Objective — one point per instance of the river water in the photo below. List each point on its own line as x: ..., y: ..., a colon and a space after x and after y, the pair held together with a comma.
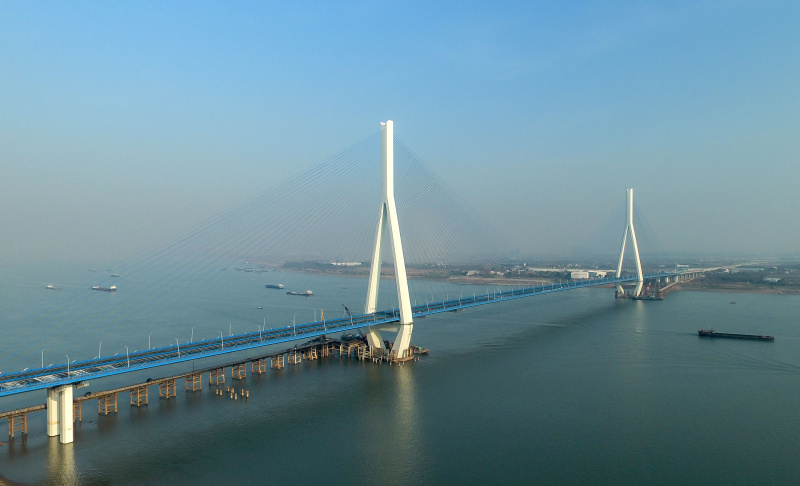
x: 567, y: 388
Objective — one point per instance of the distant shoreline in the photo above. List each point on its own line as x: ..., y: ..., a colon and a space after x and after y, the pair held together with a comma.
x: 698, y: 285
x: 743, y: 288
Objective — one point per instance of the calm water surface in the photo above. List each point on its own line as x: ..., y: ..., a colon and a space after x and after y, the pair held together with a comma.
x: 567, y: 388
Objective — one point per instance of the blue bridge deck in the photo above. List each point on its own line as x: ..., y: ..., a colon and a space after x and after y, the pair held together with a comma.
x: 35, y: 379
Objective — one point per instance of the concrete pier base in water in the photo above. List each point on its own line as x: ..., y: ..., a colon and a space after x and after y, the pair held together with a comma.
x: 65, y: 414
x: 60, y: 413
x: 52, y: 412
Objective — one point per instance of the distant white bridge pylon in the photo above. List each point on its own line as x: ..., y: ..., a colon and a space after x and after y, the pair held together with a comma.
x: 629, y: 226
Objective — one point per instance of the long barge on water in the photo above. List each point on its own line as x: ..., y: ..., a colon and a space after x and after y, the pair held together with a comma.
x: 113, y: 288
x: 713, y: 333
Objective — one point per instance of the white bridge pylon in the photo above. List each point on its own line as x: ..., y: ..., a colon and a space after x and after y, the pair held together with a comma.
x: 629, y: 226
x: 388, y: 226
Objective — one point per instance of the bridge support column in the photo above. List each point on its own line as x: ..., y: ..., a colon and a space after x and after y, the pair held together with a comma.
x: 167, y: 389
x: 258, y: 366
x: 216, y: 376
x: 52, y: 412
x: 66, y: 418
x: 60, y: 413
x: 140, y: 396
x: 18, y: 423
x: 194, y: 382
x: 629, y: 227
x: 107, y: 404
x: 239, y: 371
x: 387, y: 223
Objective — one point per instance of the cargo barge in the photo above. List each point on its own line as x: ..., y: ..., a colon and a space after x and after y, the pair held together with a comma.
x: 113, y: 288
x: 713, y: 333
x: 648, y: 297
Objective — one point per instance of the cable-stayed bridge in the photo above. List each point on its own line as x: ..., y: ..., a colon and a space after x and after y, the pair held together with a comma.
x: 325, y: 228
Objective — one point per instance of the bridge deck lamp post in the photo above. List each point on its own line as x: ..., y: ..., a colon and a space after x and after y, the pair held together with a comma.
x: 222, y: 341
x: 179, y: 347
x: 67, y: 365
x: 127, y: 357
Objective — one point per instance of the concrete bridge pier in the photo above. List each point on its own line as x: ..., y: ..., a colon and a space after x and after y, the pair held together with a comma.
x: 60, y: 413
x: 52, y: 412
x: 65, y: 414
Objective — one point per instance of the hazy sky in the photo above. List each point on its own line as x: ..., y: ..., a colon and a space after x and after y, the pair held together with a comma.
x: 122, y: 123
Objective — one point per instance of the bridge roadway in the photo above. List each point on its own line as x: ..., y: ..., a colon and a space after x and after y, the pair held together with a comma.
x: 36, y: 379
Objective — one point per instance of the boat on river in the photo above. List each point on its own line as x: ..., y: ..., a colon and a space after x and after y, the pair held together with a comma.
x: 712, y: 333
x: 307, y: 293
x: 274, y: 286
x: 648, y: 297
x: 113, y: 288
x: 418, y: 350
